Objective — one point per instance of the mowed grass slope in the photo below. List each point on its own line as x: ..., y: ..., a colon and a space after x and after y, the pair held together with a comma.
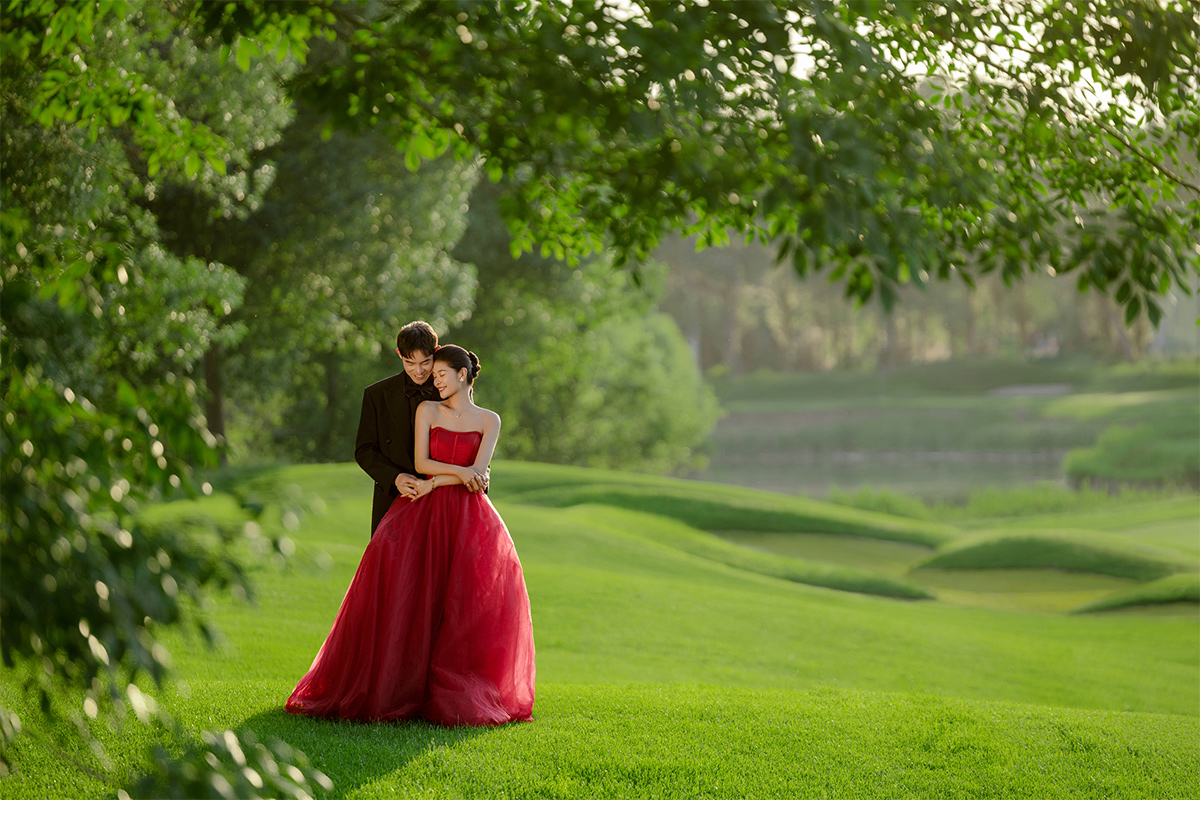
x: 667, y: 673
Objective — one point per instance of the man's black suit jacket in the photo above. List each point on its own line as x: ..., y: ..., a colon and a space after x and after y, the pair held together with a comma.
x: 384, y: 446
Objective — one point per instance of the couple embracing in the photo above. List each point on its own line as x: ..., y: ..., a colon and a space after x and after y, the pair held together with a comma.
x: 436, y: 622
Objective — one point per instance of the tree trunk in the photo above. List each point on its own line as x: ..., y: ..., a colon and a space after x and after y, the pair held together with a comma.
x: 214, y: 402
x: 887, y: 356
x: 695, y: 312
x: 733, y: 328
x: 1114, y: 328
x: 971, y: 324
x: 785, y: 342
x: 325, y: 447
x: 1117, y: 320
x: 1022, y: 316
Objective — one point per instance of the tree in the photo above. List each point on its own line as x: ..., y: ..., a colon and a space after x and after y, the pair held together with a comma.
x: 903, y: 141
x: 347, y: 247
x: 100, y: 409
x: 575, y: 360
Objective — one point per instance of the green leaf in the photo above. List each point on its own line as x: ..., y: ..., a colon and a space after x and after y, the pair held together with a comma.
x: 126, y: 395
x: 1154, y: 313
x: 75, y: 271
x: 67, y: 292
x: 243, y: 53
x: 424, y: 144
x: 1132, y: 310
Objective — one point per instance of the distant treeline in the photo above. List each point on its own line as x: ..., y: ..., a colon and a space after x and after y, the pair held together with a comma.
x: 741, y: 311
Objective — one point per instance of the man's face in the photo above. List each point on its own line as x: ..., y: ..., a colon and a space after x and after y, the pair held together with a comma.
x: 417, y: 365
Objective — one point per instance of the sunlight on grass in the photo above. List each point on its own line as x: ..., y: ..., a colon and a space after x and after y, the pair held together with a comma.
x: 653, y: 741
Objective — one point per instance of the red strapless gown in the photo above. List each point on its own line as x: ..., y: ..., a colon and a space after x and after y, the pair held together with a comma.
x: 436, y: 622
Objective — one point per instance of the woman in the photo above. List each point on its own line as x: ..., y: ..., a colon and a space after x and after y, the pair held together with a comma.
x: 436, y: 622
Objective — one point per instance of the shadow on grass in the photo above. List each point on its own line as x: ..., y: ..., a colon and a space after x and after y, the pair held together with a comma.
x: 353, y: 754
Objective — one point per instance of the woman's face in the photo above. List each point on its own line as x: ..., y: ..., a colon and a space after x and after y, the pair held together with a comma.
x: 448, y: 381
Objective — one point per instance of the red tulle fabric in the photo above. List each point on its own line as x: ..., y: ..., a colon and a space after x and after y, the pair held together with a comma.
x: 436, y: 622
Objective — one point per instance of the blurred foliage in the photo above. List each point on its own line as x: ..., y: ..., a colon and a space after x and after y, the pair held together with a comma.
x: 100, y: 329
x: 228, y: 768
x: 898, y: 141
x: 575, y: 360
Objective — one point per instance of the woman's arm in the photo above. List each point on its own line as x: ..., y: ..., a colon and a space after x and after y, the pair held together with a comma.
x: 491, y: 433
x: 426, y: 465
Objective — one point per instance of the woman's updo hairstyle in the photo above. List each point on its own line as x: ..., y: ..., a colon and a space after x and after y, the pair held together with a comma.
x: 458, y: 358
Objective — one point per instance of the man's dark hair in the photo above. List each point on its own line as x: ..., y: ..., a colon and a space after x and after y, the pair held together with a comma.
x: 417, y: 336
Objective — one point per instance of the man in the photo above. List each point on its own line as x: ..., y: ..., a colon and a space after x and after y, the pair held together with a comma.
x: 384, y: 447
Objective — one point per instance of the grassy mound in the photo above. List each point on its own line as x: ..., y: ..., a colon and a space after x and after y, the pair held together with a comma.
x: 1181, y: 587
x: 1080, y: 550
x: 640, y: 528
x: 704, y: 506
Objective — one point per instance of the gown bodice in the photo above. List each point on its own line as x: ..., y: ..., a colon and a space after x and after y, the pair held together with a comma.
x: 457, y: 448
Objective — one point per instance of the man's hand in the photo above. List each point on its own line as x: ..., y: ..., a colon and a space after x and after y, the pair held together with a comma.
x: 409, y: 486
x: 478, y: 482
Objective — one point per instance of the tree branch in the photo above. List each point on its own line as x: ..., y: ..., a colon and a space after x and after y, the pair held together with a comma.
x: 1079, y: 110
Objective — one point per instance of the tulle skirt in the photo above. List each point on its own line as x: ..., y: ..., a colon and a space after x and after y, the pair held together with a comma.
x: 435, y: 624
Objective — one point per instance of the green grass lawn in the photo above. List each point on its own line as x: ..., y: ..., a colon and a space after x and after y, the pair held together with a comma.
x: 701, y: 640
x: 667, y: 741
x: 670, y: 665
